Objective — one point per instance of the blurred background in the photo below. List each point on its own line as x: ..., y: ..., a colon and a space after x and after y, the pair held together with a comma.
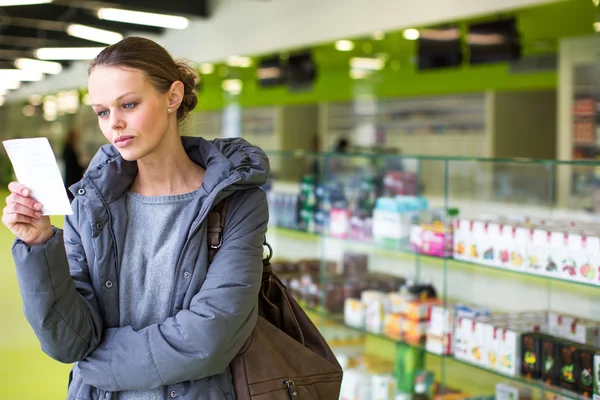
x: 435, y: 186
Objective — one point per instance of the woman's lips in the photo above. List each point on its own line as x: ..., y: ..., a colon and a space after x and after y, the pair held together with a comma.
x: 123, y: 141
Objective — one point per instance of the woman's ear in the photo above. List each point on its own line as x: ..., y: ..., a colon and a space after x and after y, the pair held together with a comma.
x: 176, y: 93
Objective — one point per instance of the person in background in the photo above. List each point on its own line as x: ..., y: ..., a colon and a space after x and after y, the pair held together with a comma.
x: 125, y: 291
x: 73, y: 168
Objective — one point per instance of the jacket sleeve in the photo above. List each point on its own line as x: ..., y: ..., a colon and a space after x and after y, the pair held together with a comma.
x: 58, y: 298
x: 202, y: 341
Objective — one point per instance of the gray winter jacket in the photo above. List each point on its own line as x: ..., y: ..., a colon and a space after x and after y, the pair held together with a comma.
x: 71, y: 297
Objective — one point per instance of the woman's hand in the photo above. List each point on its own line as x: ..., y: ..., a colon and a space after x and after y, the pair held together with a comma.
x: 23, y: 216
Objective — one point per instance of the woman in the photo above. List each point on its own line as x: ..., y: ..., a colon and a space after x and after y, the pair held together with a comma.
x: 132, y: 301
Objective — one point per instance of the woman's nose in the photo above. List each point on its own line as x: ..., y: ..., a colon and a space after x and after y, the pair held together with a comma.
x: 116, y: 121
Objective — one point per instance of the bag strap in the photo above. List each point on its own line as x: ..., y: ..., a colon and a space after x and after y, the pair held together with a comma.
x: 216, y: 228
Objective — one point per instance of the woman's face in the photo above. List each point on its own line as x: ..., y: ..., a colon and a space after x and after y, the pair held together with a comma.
x: 132, y: 114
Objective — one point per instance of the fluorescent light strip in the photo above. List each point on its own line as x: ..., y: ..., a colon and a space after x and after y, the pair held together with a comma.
x: 237, y: 61
x: 344, y: 45
x: 9, y: 84
x: 21, y: 75
x: 411, y: 34
x: 68, y: 53
x: 47, y: 67
x: 372, y: 64
x: 8, y: 3
x: 142, y: 18
x: 94, y: 34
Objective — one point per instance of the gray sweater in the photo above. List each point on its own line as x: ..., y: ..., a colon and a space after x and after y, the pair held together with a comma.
x: 148, y: 266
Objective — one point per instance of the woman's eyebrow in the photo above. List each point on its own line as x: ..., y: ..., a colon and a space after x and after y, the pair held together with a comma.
x: 118, y: 98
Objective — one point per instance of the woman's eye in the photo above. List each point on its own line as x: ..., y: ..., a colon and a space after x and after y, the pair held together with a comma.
x: 128, y: 106
x: 102, y: 114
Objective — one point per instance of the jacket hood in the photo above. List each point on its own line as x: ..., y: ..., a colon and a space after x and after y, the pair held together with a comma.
x: 222, y: 159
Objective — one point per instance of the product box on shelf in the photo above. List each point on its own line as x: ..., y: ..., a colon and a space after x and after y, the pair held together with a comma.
x: 509, y: 349
x: 511, y: 391
x: 469, y: 340
x: 482, y: 246
x: 383, y: 387
x: 568, y: 270
x: 505, y: 246
x: 463, y: 239
x: 518, y: 257
x: 538, y: 249
x: 569, y: 371
x: 442, y: 320
x: 588, y: 259
x: 494, y: 242
x: 596, y: 376
x: 377, y: 306
x: 436, y: 240
x: 559, y: 241
x: 440, y: 344
x: 585, y: 332
x: 531, y: 355
x: 550, y: 366
x: 355, y: 313
x: 585, y: 361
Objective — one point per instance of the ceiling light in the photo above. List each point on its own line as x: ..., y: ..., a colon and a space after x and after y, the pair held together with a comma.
x: 485, y: 39
x: 6, y: 3
x: 411, y: 34
x: 94, y: 34
x: 142, y: 18
x: 21, y: 75
x: 10, y: 84
x: 207, y: 68
x: 597, y: 26
x: 372, y: 64
x: 35, y: 100
x: 344, y: 45
x: 28, y: 110
x: 358, y: 74
x: 237, y: 61
x: 596, y: 2
x: 232, y: 86
x: 3, y: 92
x: 378, y: 35
x: 47, y: 67
x: 68, y: 53
x: 440, y: 34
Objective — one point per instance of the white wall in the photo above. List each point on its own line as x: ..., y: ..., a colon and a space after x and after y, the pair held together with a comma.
x: 258, y: 26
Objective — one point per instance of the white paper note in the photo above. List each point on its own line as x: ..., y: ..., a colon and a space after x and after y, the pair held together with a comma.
x: 35, y: 167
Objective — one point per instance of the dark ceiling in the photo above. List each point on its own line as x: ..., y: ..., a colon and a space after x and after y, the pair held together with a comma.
x: 26, y: 28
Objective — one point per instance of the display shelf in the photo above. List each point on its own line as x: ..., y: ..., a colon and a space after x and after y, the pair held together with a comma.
x: 339, y: 320
x: 404, y: 251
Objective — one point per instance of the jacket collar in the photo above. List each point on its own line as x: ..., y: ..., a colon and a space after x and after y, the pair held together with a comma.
x: 110, y: 175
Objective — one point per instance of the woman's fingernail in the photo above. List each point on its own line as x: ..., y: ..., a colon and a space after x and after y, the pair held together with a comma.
x: 37, y: 206
x: 25, y: 192
x: 38, y: 214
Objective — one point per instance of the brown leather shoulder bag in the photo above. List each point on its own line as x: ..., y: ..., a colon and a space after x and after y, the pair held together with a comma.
x: 286, y: 357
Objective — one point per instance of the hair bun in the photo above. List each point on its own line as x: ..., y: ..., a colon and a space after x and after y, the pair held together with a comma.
x: 190, y: 100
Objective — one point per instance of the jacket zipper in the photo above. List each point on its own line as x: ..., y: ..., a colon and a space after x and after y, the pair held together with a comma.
x: 291, y: 384
x: 291, y: 389
x: 185, y: 245
x: 112, y: 232
x: 193, y: 232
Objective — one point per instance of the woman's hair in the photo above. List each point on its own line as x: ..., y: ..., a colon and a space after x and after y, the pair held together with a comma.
x: 158, y: 65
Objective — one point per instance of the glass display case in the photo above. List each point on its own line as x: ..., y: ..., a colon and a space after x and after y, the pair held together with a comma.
x: 442, y: 277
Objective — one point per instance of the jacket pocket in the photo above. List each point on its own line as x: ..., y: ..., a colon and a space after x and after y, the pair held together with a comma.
x: 78, y: 390
x: 313, y: 388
